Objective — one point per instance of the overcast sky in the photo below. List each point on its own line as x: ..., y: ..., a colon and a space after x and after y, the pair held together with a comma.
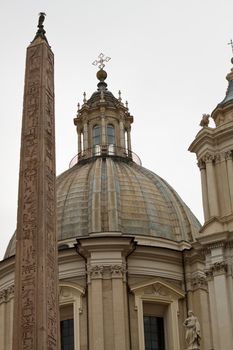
x: 169, y: 58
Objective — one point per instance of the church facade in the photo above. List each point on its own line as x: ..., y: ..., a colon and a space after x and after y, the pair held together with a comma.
x: 135, y: 265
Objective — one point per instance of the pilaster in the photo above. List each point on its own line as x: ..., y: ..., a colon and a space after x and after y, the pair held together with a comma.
x: 106, y: 270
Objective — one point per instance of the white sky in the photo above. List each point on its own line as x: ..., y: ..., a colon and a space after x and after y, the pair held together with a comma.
x: 169, y: 59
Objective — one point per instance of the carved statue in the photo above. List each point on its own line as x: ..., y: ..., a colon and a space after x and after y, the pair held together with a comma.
x: 193, y: 332
x: 205, y: 120
x: 41, y: 19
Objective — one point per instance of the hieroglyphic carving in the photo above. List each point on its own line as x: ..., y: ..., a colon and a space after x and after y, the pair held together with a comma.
x: 36, y: 266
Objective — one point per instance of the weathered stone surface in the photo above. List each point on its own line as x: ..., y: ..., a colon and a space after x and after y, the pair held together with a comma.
x: 36, y: 318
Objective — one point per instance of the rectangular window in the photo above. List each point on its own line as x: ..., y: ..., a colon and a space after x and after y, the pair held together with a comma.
x: 154, y: 333
x: 67, y: 334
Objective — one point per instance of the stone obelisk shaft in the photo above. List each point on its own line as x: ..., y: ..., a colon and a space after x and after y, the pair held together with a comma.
x: 36, y: 316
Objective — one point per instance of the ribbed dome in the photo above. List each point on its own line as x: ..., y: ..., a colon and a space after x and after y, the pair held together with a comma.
x: 117, y: 195
x: 95, y: 98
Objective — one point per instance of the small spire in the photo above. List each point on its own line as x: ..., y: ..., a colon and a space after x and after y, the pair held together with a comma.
x: 41, y: 32
x: 78, y: 105
x: 84, y: 97
x: 231, y: 43
x: 126, y: 104
x: 119, y: 94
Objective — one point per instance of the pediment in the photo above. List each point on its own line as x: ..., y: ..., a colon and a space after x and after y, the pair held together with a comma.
x: 157, y: 288
x: 69, y: 291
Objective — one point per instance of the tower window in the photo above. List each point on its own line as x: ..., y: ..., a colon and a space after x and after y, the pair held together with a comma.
x: 110, y: 134
x: 96, y: 135
x: 154, y: 333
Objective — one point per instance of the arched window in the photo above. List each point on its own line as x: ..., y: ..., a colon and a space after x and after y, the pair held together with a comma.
x: 110, y: 135
x: 81, y: 141
x: 126, y: 140
x: 96, y: 135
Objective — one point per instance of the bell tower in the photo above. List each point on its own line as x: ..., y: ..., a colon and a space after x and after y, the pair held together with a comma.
x: 214, y: 150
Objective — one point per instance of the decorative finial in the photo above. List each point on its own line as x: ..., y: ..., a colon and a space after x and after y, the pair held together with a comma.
x: 126, y: 104
x: 231, y: 43
x: 84, y: 97
x: 205, y: 120
x: 41, y: 19
x: 100, y: 61
x: 78, y: 105
x: 41, y: 32
x: 119, y: 98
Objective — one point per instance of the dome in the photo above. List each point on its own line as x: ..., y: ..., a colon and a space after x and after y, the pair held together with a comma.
x: 114, y: 194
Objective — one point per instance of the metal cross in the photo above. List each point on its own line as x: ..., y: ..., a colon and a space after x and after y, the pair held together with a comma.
x: 101, y: 60
x: 231, y: 43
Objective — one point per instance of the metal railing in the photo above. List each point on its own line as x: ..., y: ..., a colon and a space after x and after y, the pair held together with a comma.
x: 105, y: 151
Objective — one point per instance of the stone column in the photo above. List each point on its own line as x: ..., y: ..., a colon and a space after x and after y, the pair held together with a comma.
x: 36, y: 313
x: 230, y: 175
x: 85, y: 137
x: 222, y: 185
x: 108, y: 314
x: 122, y: 135
x: 2, y: 321
x: 96, y: 316
x: 129, y: 140
x: 211, y: 186
x: 202, y: 168
x: 119, y: 320
x: 220, y: 308
x: 79, y: 142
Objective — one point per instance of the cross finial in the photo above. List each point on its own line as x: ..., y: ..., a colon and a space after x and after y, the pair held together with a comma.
x: 231, y: 43
x: 100, y: 61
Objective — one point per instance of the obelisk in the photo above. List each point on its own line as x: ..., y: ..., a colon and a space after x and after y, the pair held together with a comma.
x: 36, y: 312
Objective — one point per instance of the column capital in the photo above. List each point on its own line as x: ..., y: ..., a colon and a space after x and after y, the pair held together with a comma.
x: 106, y: 271
x: 199, y: 282
x: 218, y: 268
x: 201, y: 163
x: 7, y: 294
x: 229, y: 155
x: 208, y: 158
